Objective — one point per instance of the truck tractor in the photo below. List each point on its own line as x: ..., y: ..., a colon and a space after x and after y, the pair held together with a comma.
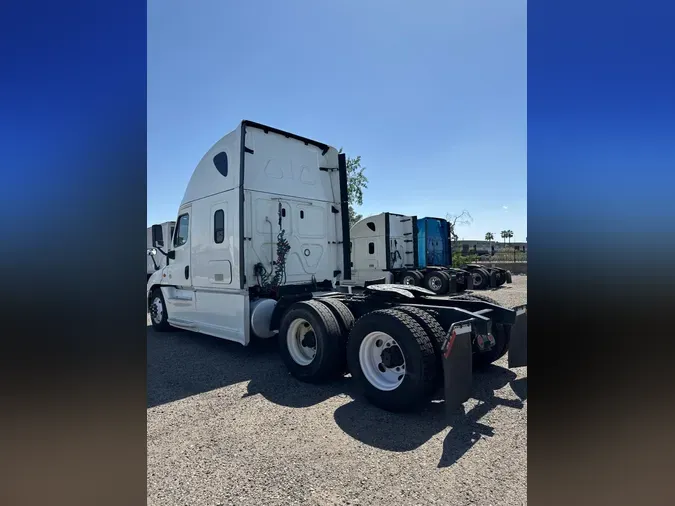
x: 261, y: 251
x: 435, y: 251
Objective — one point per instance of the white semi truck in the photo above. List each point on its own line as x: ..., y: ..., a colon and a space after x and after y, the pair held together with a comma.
x: 159, y: 236
x: 261, y: 250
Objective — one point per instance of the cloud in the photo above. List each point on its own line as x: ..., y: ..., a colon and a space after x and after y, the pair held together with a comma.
x: 505, y: 208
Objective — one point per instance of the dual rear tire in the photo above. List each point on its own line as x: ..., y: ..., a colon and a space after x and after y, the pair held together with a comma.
x: 392, y: 354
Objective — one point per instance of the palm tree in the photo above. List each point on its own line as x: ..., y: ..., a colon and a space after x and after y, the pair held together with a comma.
x: 509, y: 234
x: 504, y: 234
x: 489, y: 238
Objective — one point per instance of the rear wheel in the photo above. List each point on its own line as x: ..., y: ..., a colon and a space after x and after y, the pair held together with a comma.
x: 437, y: 281
x: 392, y: 360
x: 481, y: 278
x: 410, y: 278
x: 345, y: 320
x: 310, y: 342
x: 502, y: 334
x: 432, y: 327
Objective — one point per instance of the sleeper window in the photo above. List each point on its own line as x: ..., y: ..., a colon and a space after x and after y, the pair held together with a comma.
x: 371, y: 248
x: 182, y: 230
x: 220, y: 161
x: 219, y: 226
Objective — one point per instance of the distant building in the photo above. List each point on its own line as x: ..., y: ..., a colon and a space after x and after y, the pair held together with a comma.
x: 486, y: 247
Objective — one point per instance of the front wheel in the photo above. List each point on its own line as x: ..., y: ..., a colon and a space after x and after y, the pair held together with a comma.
x: 158, y: 314
x: 392, y: 360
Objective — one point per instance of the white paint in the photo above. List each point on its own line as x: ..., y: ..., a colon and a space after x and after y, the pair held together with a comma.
x: 281, y: 170
x: 368, y: 247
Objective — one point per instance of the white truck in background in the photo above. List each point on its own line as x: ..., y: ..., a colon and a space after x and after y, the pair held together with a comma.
x: 261, y: 251
x: 159, y: 236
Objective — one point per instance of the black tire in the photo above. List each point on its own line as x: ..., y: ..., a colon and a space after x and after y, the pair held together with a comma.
x: 476, y: 296
x: 502, y: 335
x: 419, y: 276
x: 345, y: 320
x: 412, y: 276
x: 342, y: 314
x: 326, y: 362
x: 432, y: 327
x: 501, y: 277
x: 418, y: 381
x: 437, y: 281
x: 481, y: 278
x: 160, y: 324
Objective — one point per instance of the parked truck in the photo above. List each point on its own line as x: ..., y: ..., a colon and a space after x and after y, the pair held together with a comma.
x: 402, y: 249
x: 435, y: 252
x: 261, y: 251
x: 158, y: 237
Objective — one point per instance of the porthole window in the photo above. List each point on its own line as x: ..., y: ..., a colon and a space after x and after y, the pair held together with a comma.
x: 220, y: 161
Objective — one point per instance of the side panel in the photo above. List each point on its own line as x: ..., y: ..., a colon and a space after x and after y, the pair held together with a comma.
x: 369, y: 247
x: 433, y: 242
x: 219, y: 302
x: 401, y: 237
x: 311, y: 228
x: 422, y: 243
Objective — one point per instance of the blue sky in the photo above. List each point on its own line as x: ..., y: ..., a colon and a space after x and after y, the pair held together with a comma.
x: 432, y: 95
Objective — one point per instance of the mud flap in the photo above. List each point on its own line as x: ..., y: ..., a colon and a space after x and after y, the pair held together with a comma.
x: 453, y: 284
x: 457, y: 366
x: 469, y: 281
x: 493, y: 279
x: 508, y: 276
x: 518, y: 341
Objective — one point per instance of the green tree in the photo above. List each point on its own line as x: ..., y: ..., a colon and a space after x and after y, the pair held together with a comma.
x: 504, y: 233
x: 509, y: 235
x: 356, y: 183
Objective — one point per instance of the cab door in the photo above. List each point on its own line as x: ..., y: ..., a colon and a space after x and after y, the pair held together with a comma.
x: 179, y: 295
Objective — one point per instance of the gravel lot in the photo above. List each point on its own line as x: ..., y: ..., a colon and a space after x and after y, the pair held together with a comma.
x: 228, y: 425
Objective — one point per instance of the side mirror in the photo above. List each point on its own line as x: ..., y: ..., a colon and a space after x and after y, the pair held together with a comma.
x: 172, y: 254
x: 157, y: 236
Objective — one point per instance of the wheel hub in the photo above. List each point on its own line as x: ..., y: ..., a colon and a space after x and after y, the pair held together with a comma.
x: 392, y: 357
x: 435, y: 283
x: 309, y: 341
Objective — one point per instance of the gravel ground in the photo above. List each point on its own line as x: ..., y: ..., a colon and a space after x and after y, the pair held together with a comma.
x: 511, y: 295
x: 228, y: 425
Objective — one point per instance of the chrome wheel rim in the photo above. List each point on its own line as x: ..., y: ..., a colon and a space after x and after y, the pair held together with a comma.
x: 157, y: 310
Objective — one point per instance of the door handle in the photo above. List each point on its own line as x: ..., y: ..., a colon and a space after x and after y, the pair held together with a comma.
x: 187, y: 271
